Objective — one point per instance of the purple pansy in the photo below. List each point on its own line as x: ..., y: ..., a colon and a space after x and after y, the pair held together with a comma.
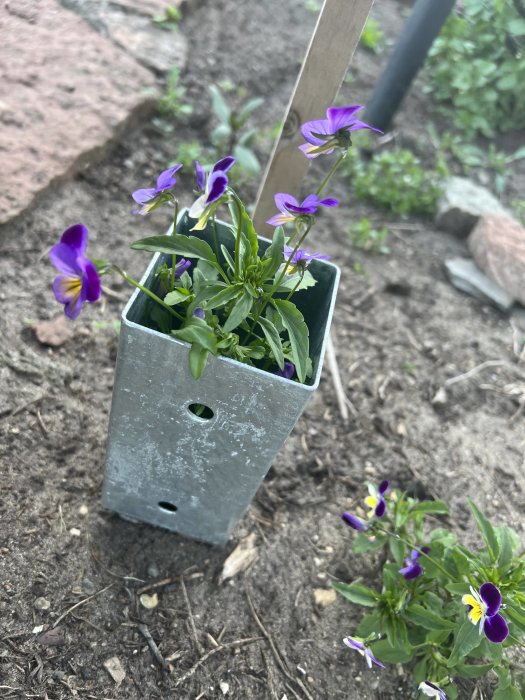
x: 353, y: 521
x: 413, y: 568
x: 181, y: 267
x: 363, y: 650
x: 376, y: 500
x: 432, y: 690
x: 301, y: 257
x: 323, y: 135
x: 199, y: 312
x: 79, y: 280
x: 288, y: 370
x: 212, y: 190
x: 483, y: 608
x: 151, y: 197
x: 291, y: 209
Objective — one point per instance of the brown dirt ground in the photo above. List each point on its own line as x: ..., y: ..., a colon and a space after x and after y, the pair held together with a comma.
x: 401, y: 331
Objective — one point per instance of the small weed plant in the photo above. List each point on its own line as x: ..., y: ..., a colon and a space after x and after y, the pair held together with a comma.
x: 372, y: 36
x: 443, y: 609
x: 365, y: 237
x: 172, y: 105
x: 476, y: 67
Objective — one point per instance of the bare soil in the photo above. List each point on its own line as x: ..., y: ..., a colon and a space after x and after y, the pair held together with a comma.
x: 401, y: 333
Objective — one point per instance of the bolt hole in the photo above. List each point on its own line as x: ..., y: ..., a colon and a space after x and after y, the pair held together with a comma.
x: 201, y: 411
x: 170, y: 507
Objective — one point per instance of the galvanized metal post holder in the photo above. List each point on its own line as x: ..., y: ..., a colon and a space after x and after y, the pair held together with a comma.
x: 197, y: 475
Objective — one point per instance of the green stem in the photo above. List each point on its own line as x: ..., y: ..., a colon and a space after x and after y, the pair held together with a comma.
x: 238, y: 204
x: 174, y: 257
x: 332, y: 170
x: 147, y: 291
x: 295, y: 288
x: 215, y: 238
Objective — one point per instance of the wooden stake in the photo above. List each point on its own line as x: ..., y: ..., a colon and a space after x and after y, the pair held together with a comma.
x: 332, y: 46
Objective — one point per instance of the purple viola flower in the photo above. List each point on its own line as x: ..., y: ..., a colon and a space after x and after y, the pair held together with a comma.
x: 413, y: 568
x: 376, y: 500
x: 181, y: 267
x: 288, y: 370
x: 353, y: 521
x: 78, y: 281
x: 483, y: 608
x: 432, y: 690
x: 151, y: 197
x: 300, y: 258
x: 291, y: 209
x: 363, y: 650
x: 323, y: 135
x: 212, y: 190
x: 199, y: 312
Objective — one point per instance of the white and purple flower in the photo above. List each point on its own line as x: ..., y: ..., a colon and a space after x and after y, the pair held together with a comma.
x: 151, y: 197
x: 413, y: 568
x: 324, y: 135
x: 360, y: 647
x: 212, y: 189
x: 291, y: 209
x: 78, y: 281
x: 432, y: 690
x: 483, y: 608
x: 375, y: 501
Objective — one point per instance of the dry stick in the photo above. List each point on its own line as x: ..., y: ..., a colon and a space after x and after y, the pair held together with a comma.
x: 143, y: 629
x: 80, y: 602
x: 479, y: 368
x: 277, y: 654
x: 192, y: 621
x: 211, y: 652
x: 158, y: 584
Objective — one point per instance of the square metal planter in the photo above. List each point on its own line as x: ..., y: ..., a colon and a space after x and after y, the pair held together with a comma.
x: 197, y: 475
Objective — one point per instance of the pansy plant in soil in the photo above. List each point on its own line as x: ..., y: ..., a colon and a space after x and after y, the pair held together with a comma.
x: 236, y: 301
x: 444, y: 610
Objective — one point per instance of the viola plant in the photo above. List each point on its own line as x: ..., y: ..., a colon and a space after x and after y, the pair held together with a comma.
x: 446, y: 611
x: 234, y: 296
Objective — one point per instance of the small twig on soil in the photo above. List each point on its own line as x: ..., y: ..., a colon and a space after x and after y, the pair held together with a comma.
x: 43, y: 428
x: 114, y: 295
x: 190, y: 614
x: 27, y: 405
x: 112, y: 573
x: 479, y: 368
x: 279, y: 657
x: 336, y: 379
x: 143, y: 629
x: 80, y: 602
x: 211, y: 652
x: 155, y: 585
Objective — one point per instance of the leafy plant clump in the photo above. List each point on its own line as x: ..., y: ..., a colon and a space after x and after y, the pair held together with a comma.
x: 396, y: 181
x: 447, y: 611
x: 476, y: 67
x: 365, y: 237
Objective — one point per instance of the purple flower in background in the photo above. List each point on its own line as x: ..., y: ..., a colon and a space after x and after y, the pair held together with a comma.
x: 413, y: 568
x: 212, y: 188
x: 181, y: 267
x: 79, y: 280
x: 288, y: 370
x: 323, y: 135
x: 363, y: 650
x: 376, y: 501
x: 432, y: 690
x: 291, y: 209
x: 151, y: 197
x: 483, y: 608
x: 353, y: 521
x: 300, y: 258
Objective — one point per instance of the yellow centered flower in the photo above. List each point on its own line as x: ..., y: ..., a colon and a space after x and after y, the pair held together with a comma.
x: 371, y: 502
x: 478, y: 608
x: 70, y: 287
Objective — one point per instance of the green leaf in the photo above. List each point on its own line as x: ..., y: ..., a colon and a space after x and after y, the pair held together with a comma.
x: 369, y: 624
x: 390, y: 655
x: 430, y: 621
x: 510, y: 693
x: 176, y: 296
x: 486, y: 529
x: 467, y: 638
x: 197, y: 357
x: 289, y: 282
x: 363, y: 543
x: 396, y: 631
x: 274, y: 340
x: 508, y: 541
x: 247, y: 159
x: 197, y: 331
x: 249, y: 107
x: 397, y: 548
x: 297, y: 329
x: 472, y: 670
x: 458, y: 588
x: 228, y: 258
x: 247, y: 227
x: 517, y: 615
x: 357, y: 593
x: 517, y: 26
x: 224, y: 296
x: 241, y: 309
x: 435, y: 507
x: 188, y: 246
x: 504, y: 677
x: 219, y: 106
x: 274, y: 255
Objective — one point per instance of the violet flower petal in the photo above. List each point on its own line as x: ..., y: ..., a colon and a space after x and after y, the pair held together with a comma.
x: 361, y: 125
x: 491, y: 597
x: 370, y: 659
x: 282, y: 199
x: 91, y: 284
x: 354, y: 643
x: 496, y: 629
x: 380, y: 508
x: 329, y: 202
x: 317, y: 126
x: 383, y: 487
x: 144, y: 195
x: 353, y: 522
x: 200, y: 178
x: 411, y: 571
x: 223, y: 165
x: 216, y: 186
x: 341, y: 117
x: 166, y: 180
x: 288, y: 370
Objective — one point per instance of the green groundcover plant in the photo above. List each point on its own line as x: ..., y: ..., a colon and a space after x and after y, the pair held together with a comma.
x: 234, y: 302
x: 445, y: 610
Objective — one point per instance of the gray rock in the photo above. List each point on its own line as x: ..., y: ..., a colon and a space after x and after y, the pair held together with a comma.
x: 462, y: 204
x: 467, y: 277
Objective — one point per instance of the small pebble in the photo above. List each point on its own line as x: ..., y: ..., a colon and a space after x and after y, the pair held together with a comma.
x: 83, y: 510
x: 42, y: 604
x: 153, y: 570
x: 149, y: 601
x: 88, y: 587
x: 225, y: 687
x: 75, y: 532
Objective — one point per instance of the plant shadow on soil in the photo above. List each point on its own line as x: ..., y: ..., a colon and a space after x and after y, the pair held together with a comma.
x: 394, y: 352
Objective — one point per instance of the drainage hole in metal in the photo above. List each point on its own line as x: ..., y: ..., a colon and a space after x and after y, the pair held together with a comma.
x: 201, y: 411
x: 168, y: 506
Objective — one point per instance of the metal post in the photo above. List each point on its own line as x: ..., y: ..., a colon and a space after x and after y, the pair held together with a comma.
x: 420, y: 30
